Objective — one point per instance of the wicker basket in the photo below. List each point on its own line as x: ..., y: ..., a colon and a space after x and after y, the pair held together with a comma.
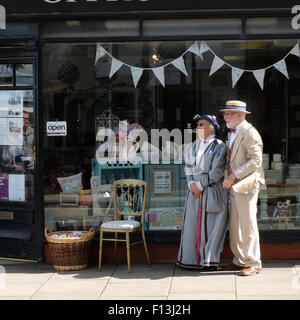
x: 69, y: 253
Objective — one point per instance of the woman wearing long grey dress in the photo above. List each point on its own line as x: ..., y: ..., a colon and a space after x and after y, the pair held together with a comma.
x: 205, y: 215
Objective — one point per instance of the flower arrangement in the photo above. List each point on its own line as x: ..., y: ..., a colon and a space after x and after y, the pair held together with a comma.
x: 213, y: 146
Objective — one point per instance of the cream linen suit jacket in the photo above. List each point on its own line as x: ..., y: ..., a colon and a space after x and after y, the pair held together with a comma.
x: 246, y: 160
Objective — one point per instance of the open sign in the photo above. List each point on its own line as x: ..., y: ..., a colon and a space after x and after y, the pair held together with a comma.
x: 56, y: 128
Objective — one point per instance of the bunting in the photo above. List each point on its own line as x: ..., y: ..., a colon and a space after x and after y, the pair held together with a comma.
x: 236, y: 74
x: 216, y: 65
x: 197, y: 48
x: 136, y: 75
x: 179, y: 64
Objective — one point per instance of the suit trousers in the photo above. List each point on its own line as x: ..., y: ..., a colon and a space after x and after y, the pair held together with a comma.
x: 243, y: 229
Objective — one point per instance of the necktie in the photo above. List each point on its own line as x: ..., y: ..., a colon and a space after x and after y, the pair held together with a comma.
x: 232, y: 130
x: 229, y: 158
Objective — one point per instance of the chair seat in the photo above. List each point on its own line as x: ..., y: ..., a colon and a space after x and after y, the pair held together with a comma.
x: 120, y: 224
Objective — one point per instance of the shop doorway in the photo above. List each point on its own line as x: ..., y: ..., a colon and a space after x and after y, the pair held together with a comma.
x: 20, y: 213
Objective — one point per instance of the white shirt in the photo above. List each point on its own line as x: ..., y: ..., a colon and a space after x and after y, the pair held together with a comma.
x: 234, y: 134
x: 201, y: 146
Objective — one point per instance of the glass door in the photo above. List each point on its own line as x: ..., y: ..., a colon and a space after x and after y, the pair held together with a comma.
x: 19, y: 204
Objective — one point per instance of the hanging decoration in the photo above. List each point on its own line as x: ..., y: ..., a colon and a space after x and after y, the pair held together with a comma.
x: 197, y: 49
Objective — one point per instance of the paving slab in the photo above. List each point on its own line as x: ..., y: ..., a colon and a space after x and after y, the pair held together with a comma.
x: 279, y: 280
x: 132, y: 298
x: 81, y: 286
x: 19, y: 289
x: 267, y: 297
x: 143, y: 273
x: 136, y: 290
x: 201, y: 296
x: 204, y: 284
x: 65, y: 296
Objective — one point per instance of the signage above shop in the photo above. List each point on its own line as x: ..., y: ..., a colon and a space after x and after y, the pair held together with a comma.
x: 125, y: 6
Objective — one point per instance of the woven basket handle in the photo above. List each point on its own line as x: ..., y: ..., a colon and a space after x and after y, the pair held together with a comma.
x: 47, y: 230
x: 92, y: 230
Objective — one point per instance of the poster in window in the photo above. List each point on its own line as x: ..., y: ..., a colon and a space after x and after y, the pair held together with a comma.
x: 3, y: 186
x: 11, y: 118
x: 11, y: 104
x: 162, y: 181
x: 16, y: 187
x: 11, y: 131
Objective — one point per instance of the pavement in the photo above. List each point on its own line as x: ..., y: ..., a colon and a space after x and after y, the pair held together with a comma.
x: 279, y: 280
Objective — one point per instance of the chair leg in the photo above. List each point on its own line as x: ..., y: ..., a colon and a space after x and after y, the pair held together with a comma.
x: 128, y: 251
x: 100, y: 249
x: 116, y: 242
x: 145, y: 246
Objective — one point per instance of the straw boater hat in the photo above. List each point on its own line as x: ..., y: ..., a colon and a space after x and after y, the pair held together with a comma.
x: 234, y: 106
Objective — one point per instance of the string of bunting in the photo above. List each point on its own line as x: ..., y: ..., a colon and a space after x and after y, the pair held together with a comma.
x: 197, y: 48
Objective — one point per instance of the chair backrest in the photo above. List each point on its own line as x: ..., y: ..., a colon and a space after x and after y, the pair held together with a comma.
x: 130, y: 198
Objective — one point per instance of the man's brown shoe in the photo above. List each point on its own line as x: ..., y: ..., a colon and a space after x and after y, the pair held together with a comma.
x: 249, y: 271
x: 232, y: 267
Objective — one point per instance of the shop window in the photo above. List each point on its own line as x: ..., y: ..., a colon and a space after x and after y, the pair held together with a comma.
x: 191, y: 27
x: 87, y: 98
x: 6, y: 75
x: 17, y: 145
x: 24, y: 75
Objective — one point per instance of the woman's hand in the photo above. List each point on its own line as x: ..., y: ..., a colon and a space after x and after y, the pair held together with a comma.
x: 196, y: 191
x: 229, y: 181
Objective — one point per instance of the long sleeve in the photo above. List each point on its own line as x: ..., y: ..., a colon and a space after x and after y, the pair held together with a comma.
x: 253, y: 145
x: 216, y: 171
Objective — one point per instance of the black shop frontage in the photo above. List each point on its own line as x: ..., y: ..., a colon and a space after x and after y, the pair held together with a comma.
x: 70, y: 68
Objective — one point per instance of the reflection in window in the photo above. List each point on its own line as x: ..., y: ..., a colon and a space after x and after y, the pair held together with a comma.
x: 17, y: 145
x: 6, y: 75
x: 78, y: 91
x: 24, y: 74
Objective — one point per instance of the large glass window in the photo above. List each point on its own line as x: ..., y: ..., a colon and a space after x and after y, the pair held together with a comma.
x: 81, y: 97
x: 17, y: 145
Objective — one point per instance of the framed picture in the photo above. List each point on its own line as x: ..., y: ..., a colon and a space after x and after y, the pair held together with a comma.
x: 162, y: 181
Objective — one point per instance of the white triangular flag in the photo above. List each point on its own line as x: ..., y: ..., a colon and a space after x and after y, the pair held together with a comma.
x: 136, y: 75
x: 281, y: 66
x: 236, y: 74
x: 115, y: 66
x: 160, y: 74
x: 100, y: 52
x: 296, y: 50
x: 260, y: 76
x: 203, y: 47
x: 216, y: 65
x: 179, y: 64
x: 194, y: 48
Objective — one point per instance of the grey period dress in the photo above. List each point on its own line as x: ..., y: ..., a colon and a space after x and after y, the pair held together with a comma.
x: 209, y: 227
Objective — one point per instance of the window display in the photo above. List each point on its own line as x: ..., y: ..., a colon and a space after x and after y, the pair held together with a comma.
x: 112, y: 112
x: 17, y: 145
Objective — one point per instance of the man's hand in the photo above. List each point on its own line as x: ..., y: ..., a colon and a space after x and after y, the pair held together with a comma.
x: 196, y: 191
x: 229, y: 181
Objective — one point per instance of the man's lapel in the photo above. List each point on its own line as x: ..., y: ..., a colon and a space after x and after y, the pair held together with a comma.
x: 238, y: 140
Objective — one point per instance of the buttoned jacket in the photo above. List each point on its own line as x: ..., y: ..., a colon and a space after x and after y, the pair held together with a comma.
x: 246, y: 160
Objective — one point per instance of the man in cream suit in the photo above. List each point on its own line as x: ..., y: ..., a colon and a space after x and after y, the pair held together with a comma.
x: 245, y: 178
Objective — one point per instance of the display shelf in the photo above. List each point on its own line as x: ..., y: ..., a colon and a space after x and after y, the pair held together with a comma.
x: 115, y: 169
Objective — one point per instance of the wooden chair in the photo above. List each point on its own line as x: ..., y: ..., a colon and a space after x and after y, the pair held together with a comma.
x: 129, y: 200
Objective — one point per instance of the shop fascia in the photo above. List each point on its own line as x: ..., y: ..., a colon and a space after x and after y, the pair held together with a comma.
x: 58, y: 1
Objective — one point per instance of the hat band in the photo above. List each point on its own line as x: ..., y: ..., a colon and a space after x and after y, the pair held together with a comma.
x: 236, y: 107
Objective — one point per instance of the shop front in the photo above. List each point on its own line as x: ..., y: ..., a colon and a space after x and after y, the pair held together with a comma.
x: 110, y: 90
